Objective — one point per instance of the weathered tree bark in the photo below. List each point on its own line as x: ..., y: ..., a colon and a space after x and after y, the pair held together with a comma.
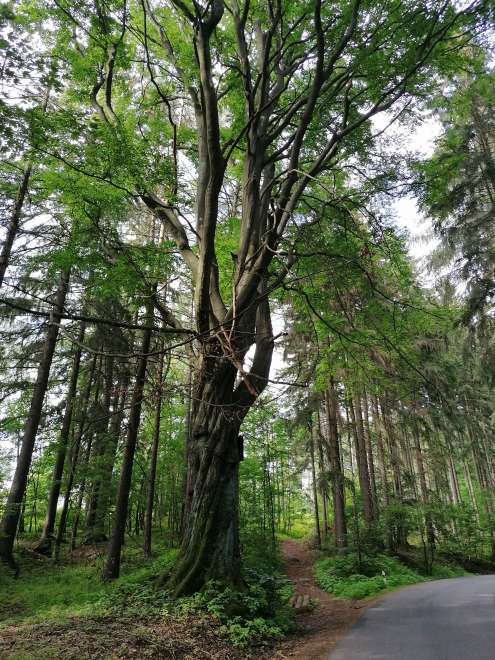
x: 210, y: 546
x: 333, y: 449
x: 150, y: 492
x: 45, y: 543
x: 112, y: 564
x: 8, y: 525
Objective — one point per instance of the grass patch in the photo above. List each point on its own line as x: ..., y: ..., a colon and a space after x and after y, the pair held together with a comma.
x: 49, y: 593
x: 300, y: 529
x: 57, y: 592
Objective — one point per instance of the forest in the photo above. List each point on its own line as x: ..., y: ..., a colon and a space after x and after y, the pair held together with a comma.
x: 247, y: 340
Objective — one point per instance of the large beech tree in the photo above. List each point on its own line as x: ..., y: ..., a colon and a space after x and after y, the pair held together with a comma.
x: 228, y: 119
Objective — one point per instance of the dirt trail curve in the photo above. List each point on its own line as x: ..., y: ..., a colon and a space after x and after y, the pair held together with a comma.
x: 318, y: 630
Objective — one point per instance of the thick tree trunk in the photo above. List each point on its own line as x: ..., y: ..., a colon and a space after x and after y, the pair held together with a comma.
x: 150, y: 492
x: 210, y: 546
x: 8, y: 525
x: 333, y: 448
x: 45, y: 543
x: 112, y: 565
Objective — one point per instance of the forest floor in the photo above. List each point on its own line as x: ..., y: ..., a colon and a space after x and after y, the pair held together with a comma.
x: 53, y: 613
x: 319, y: 628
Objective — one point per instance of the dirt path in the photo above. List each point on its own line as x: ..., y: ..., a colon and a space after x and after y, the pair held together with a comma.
x: 318, y: 630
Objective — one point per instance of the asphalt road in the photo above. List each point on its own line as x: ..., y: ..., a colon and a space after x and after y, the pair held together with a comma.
x: 441, y: 620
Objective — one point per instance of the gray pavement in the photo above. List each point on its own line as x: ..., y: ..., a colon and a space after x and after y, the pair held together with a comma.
x: 442, y: 620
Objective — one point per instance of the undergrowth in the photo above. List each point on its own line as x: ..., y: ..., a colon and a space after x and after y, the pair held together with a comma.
x: 349, y: 576
x: 58, y: 593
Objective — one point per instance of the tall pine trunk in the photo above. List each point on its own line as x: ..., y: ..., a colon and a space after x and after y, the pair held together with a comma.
x: 333, y: 449
x: 45, y: 543
x: 112, y: 565
x: 314, y: 483
x: 362, y: 461
x: 8, y: 525
x: 74, y: 457
x: 14, y: 222
x: 151, y: 477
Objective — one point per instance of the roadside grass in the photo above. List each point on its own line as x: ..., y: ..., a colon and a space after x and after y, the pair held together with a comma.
x: 352, y: 577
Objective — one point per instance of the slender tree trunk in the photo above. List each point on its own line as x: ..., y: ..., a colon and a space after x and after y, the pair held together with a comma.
x: 470, y: 488
x: 15, y: 218
x: 84, y: 402
x: 369, y: 454
x: 314, y: 483
x: 430, y: 532
x: 362, y: 462
x: 112, y: 565
x: 456, y: 492
x: 333, y: 448
x: 101, y: 462
x: 150, y: 493
x: 110, y: 452
x: 8, y: 525
x: 82, y: 488
x: 45, y: 542
x: 323, y: 479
